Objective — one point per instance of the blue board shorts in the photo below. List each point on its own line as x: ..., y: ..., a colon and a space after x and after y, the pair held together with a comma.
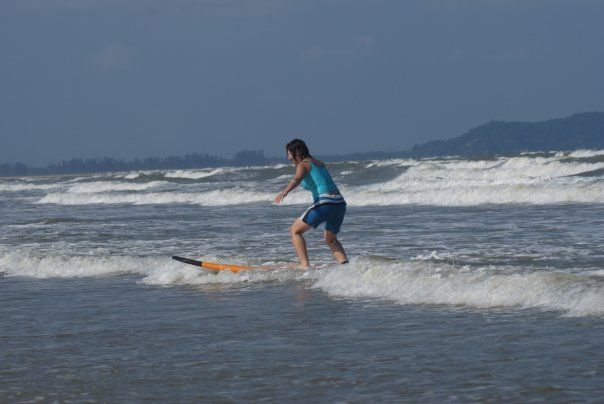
x: 331, y: 214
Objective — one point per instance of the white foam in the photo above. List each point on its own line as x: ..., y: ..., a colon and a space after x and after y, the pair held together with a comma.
x: 441, y: 193
x: 153, y: 270
x: 440, y: 182
x: 210, y: 198
x: 19, y: 186
x: 443, y: 284
x: 392, y: 162
x: 111, y: 186
x: 28, y: 264
x: 438, y: 193
x: 505, y: 168
x: 198, y: 173
x: 402, y: 282
x: 586, y: 153
x: 187, y: 276
x: 532, y: 180
x: 133, y: 175
x: 194, y: 174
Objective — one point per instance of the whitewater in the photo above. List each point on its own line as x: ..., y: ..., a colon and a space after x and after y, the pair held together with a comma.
x: 498, y: 259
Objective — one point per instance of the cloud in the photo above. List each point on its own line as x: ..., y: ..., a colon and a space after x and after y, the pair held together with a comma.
x: 360, y: 45
x: 115, y: 56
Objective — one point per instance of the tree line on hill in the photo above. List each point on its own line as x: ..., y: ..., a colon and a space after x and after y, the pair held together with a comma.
x: 580, y: 131
x: 109, y: 164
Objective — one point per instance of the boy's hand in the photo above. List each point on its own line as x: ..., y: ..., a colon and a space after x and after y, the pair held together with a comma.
x: 279, y: 197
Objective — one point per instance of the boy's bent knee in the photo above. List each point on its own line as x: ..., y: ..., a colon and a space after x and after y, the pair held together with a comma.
x: 296, y: 229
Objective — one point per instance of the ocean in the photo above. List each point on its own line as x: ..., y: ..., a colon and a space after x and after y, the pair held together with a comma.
x: 469, y: 280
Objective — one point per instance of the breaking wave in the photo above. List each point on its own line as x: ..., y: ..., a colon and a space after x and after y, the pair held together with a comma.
x: 542, y: 179
x: 20, y: 186
x: 209, y: 198
x: 109, y: 186
x: 193, y: 174
x: 586, y: 153
x: 402, y: 282
x: 443, y: 284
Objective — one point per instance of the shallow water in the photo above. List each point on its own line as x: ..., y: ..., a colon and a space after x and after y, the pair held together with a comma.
x: 500, y: 297
x: 95, y: 339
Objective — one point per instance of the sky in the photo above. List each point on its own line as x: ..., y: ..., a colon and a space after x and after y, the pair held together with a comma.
x: 138, y: 78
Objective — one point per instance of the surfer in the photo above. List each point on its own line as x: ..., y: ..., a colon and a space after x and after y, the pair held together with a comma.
x: 328, y: 205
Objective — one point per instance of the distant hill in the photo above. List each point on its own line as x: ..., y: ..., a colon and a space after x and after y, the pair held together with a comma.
x: 580, y: 131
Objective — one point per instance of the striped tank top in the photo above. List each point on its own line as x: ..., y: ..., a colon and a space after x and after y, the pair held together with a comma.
x: 319, y: 182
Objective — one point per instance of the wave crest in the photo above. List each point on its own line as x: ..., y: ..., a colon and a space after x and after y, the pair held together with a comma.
x: 443, y: 284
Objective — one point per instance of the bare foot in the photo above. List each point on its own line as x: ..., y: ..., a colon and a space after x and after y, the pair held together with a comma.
x: 293, y: 265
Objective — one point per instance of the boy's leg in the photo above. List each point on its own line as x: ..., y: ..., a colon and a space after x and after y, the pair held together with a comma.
x: 336, y: 247
x: 296, y: 230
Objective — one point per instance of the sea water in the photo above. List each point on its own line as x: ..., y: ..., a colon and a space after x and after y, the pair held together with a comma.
x: 469, y: 280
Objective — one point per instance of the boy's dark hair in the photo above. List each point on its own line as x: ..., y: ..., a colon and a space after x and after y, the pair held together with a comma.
x: 297, y: 148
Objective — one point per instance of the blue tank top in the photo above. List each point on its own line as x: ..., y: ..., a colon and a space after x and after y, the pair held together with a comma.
x: 319, y: 181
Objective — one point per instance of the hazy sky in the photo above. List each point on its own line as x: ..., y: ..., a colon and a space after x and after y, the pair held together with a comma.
x: 136, y: 78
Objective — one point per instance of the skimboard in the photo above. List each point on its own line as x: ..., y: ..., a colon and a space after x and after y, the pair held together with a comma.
x: 212, y: 266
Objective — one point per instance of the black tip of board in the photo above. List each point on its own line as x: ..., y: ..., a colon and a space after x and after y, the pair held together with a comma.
x: 187, y: 260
